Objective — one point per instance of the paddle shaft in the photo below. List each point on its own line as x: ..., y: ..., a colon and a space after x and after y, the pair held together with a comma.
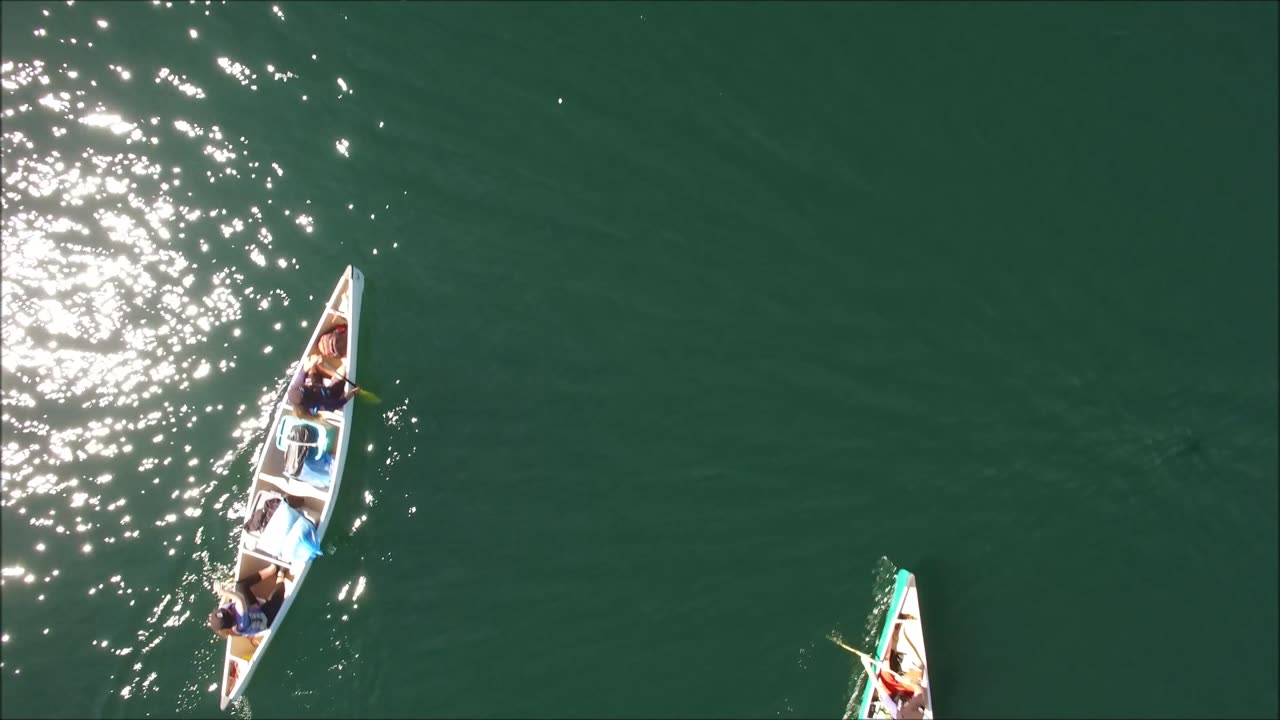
x: 359, y: 390
x: 340, y: 376
x: 874, y: 661
x: 349, y: 382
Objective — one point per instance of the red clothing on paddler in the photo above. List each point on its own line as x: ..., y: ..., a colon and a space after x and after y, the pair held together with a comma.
x: 895, y: 685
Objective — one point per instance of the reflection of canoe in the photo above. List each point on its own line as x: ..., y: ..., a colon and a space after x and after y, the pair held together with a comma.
x: 901, y: 649
x: 316, y: 491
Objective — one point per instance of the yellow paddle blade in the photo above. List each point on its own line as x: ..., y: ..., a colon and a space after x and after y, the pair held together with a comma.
x: 368, y: 396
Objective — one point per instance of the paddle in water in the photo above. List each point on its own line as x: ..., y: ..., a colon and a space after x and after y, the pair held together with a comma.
x: 869, y: 662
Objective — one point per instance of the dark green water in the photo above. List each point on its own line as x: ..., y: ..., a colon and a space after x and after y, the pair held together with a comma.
x: 674, y: 371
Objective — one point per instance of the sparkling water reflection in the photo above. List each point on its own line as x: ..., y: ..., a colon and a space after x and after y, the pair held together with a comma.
x: 139, y: 258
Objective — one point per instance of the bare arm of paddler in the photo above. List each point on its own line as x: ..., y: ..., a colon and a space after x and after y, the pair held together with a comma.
x: 225, y: 596
x: 234, y: 595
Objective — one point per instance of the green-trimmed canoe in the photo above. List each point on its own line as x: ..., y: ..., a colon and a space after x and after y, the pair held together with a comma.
x: 901, y: 650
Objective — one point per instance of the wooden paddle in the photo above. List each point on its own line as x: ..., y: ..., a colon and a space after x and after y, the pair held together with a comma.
x: 877, y: 663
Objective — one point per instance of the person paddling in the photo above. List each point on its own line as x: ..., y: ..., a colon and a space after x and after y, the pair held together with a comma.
x: 309, y: 393
x: 901, y: 695
x: 243, y: 614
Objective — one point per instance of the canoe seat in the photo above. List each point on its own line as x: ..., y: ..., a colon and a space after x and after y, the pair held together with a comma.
x: 286, y: 424
x: 317, y: 465
x: 295, y: 487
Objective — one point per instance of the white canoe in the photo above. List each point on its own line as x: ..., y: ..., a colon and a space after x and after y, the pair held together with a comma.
x: 901, y: 650
x: 244, y: 655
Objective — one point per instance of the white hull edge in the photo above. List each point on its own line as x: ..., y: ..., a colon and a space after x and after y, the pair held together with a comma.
x: 318, y: 505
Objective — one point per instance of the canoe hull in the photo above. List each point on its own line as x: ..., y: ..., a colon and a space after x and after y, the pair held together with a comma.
x: 903, y: 633
x: 242, y: 656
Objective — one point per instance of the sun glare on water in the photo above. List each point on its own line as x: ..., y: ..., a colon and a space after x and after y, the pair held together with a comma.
x: 130, y: 254
x: 146, y: 328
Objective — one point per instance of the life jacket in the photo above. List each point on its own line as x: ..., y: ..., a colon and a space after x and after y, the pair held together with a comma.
x: 318, y: 396
x: 253, y: 622
x: 333, y: 344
